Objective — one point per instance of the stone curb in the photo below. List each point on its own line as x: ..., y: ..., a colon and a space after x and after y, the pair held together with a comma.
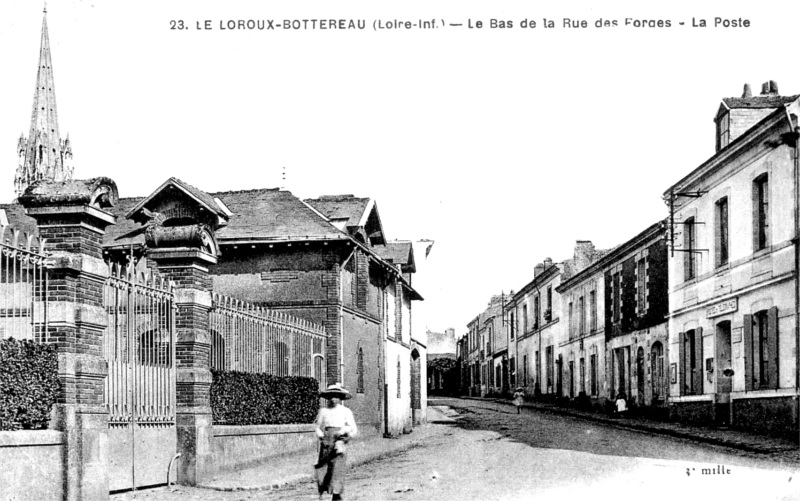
x: 640, y: 426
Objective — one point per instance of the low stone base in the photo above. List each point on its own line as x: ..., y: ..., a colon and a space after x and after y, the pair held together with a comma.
x: 776, y: 417
x: 693, y: 413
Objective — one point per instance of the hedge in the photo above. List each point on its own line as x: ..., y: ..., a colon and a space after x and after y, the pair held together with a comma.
x: 28, y: 384
x: 243, y: 398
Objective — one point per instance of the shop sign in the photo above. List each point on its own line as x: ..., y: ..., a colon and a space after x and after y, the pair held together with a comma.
x: 722, y: 308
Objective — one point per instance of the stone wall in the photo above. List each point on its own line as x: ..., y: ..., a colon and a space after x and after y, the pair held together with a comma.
x: 32, y: 465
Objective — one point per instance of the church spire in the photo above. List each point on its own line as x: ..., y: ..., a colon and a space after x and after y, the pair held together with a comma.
x: 43, y: 155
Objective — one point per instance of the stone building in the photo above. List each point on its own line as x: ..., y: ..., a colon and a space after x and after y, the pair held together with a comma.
x: 733, y: 271
x: 533, y: 318
x: 537, y: 332
x: 486, y: 351
x: 635, y: 317
x: 586, y: 334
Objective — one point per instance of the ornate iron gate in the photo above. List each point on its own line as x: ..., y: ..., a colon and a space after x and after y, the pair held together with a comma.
x: 140, y: 393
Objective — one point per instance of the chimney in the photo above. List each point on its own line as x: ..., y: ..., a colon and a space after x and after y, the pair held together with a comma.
x: 769, y: 88
x: 584, y: 254
x: 547, y: 263
x: 748, y: 92
x: 537, y: 270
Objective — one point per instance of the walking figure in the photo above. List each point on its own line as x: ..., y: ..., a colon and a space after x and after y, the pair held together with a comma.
x: 518, y: 398
x: 335, y: 427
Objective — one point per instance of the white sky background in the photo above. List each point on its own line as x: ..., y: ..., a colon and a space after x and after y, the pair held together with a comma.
x: 503, y: 146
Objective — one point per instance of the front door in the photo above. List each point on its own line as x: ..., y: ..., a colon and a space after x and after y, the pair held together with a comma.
x: 571, y: 379
x: 640, y: 376
x: 724, y: 371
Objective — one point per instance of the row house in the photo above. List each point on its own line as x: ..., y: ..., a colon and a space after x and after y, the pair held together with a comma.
x: 585, y: 339
x: 496, y: 347
x: 486, y: 351
x: 635, y: 314
x: 537, y: 332
x: 733, y: 272
x: 694, y: 317
x: 473, y: 358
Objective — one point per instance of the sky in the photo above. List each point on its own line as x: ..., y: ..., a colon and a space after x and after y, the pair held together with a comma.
x: 504, y: 146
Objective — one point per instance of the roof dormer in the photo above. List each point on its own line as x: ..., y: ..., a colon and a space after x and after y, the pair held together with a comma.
x: 736, y: 115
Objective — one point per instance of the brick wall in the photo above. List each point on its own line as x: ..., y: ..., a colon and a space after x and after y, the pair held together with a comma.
x: 76, y: 239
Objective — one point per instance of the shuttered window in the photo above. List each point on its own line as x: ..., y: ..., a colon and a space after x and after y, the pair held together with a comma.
x: 761, y: 350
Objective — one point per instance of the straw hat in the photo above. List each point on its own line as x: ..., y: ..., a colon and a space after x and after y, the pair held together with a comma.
x: 335, y: 391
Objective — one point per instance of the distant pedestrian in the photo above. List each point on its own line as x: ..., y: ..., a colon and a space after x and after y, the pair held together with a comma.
x: 335, y: 427
x: 622, y: 404
x: 519, y: 395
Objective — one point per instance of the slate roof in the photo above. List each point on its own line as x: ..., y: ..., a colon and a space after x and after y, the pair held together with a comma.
x: 397, y: 252
x: 341, y: 207
x: 126, y: 232
x: 261, y: 214
x: 18, y: 220
x: 758, y: 101
x: 272, y: 214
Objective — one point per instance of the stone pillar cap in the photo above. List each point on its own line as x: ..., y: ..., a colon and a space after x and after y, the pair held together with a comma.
x: 99, y: 192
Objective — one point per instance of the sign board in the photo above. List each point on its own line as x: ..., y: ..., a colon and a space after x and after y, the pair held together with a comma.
x: 722, y: 308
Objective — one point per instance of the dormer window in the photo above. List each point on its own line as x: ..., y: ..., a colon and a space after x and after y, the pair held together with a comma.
x: 723, y: 131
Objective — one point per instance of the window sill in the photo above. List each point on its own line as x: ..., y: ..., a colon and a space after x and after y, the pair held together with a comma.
x: 762, y: 252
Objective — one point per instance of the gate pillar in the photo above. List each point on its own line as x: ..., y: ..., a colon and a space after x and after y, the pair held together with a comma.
x: 72, y: 216
x: 186, y: 265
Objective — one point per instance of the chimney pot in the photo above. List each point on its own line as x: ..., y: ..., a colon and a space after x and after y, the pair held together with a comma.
x: 769, y: 88
x: 748, y: 92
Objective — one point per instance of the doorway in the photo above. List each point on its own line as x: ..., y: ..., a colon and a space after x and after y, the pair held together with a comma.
x: 724, y: 370
x: 640, y: 376
x: 571, y: 379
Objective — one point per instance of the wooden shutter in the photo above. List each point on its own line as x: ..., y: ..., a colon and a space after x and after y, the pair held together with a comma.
x: 748, y: 352
x: 772, y: 346
x: 699, y: 366
x: 682, y: 362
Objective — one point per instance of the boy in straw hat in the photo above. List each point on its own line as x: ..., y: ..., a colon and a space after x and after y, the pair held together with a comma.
x: 335, y: 427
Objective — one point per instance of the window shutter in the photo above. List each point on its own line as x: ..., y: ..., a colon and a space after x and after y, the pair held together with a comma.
x: 698, y: 361
x: 748, y: 352
x: 772, y: 346
x: 682, y: 363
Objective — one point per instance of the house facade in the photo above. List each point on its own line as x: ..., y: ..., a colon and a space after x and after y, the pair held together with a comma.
x: 585, y: 341
x: 635, y: 317
x: 733, y: 272
x: 538, y: 332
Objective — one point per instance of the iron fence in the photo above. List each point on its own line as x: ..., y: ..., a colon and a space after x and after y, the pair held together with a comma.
x: 248, y: 338
x: 139, y: 345
x: 23, y: 286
